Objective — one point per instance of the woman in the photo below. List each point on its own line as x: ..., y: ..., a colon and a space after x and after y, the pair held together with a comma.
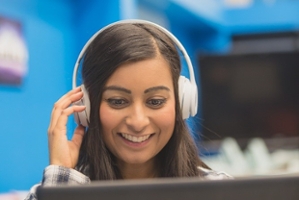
x: 136, y: 129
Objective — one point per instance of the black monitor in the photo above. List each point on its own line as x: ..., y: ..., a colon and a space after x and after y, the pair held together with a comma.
x: 274, y: 188
x: 249, y: 95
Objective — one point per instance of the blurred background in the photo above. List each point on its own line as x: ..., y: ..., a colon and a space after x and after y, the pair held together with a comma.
x: 245, y: 55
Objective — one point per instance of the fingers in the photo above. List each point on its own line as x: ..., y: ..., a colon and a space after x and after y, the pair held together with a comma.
x: 63, y: 103
x: 62, y: 119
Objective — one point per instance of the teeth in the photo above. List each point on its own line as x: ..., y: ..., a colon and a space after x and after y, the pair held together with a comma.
x: 134, y: 138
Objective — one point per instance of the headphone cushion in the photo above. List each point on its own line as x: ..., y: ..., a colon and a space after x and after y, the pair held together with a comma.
x: 185, y: 96
x: 83, y: 116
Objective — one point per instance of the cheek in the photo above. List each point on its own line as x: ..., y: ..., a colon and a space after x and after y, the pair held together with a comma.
x: 107, y: 118
x: 166, y: 120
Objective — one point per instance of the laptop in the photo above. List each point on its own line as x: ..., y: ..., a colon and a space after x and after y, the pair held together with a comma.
x: 272, y: 188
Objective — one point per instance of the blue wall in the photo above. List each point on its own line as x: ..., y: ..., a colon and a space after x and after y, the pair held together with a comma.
x: 25, y: 110
x: 282, y: 15
x: 56, y: 30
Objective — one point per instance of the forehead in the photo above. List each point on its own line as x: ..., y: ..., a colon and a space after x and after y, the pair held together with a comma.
x: 145, y: 73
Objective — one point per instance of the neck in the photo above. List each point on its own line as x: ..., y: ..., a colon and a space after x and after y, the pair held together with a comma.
x: 138, y: 171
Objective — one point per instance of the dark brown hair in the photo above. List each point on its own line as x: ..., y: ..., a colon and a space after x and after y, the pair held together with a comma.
x: 116, y: 45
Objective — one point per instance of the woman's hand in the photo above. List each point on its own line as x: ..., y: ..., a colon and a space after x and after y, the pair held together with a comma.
x: 62, y: 151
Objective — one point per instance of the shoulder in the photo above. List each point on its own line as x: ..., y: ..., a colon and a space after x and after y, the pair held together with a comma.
x: 32, y: 193
x: 56, y: 175
x: 208, y: 174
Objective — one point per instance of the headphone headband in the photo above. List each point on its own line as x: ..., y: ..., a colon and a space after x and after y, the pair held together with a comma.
x: 135, y: 21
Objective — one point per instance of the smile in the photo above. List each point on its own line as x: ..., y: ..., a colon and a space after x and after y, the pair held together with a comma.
x: 135, y: 138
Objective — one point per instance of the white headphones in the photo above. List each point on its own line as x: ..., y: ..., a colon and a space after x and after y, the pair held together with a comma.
x: 187, y: 88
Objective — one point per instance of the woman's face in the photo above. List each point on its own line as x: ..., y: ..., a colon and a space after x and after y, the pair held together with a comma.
x: 137, y: 110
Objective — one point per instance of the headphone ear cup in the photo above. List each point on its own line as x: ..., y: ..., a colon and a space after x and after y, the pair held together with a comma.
x: 188, y: 97
x: 83, y: 117
x: 184, y: 95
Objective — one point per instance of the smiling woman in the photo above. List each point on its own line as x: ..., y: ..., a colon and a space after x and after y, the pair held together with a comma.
x: 138, y: 119
x: 135, y: 102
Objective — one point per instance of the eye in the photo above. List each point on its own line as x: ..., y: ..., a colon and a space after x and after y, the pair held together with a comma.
x: 156, y: 103
x: 117, y: 103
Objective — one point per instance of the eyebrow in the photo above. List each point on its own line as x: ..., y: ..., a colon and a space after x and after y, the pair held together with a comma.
x: 156, y: 88
x: 118, y: 88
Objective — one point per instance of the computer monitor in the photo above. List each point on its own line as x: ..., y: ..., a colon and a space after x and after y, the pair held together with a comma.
x: 272, y: 188
x: 249, y: 95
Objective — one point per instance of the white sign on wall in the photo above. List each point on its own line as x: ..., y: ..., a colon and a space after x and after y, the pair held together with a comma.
x: 13, y: 52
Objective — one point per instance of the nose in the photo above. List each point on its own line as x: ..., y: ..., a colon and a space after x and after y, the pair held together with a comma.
x: 138, y: 119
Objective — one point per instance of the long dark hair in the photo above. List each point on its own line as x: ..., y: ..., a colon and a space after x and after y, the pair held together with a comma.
x: 116, y: 45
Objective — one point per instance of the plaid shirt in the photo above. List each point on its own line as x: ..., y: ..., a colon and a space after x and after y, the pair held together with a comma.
x: 58, y: 175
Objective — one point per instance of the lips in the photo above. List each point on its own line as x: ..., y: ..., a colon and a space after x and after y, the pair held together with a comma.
x: 135, y: 139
